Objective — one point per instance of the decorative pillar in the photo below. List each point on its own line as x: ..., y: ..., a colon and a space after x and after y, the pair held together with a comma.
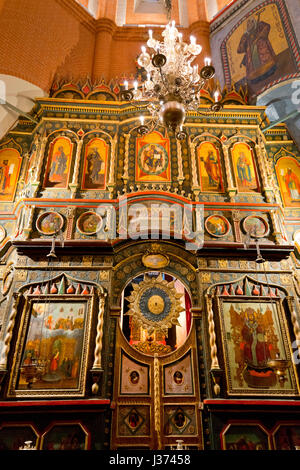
x: 277, y: 228
x: 105, y: 29
x: 262, y: 164
x: 28, y: 227
x: 126, y: 159
x: 157, y: 406
x: 75, y: 180
x: 236, y: 225
x: 111, y: 181
x: 97, y: 370
x: 9, y: 333
x: 195, y: 183
x: 295, y: 322
x: 179, y: 159
x: 215, y: 368
x: 40, y: 160
x: 231, y: 188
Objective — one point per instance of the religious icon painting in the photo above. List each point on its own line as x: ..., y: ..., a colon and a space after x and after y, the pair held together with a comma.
x: 259, y: 48
x: 52, y: 347
x: 49, y: 223
x: 180, y: 420
x: 245, y: 436
x: 178, y: 377
x: 133, y: 420
x: 14, y: 436
x: 210, y: 173
x: 89, y: 223
x: 288, y: 175
x: 286, y: 436
x: 153, y: 158
x: 254, y: 334
x: 134, y: 378
x: 10, y: 164
x: 65, y: 436
x: 58, y: 164
x: 256, y: 227
x: 244, y: 168
x: 95, y: 164
x: 217, y: 225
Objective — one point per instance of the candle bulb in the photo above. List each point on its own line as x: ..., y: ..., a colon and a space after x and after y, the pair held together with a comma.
x: 216, y: 96
x: 135, y: 84
x: 193, y: 40
x: 143, y: 49
x: 150, y: 33
x: 207, y: 61
x: 142, y: 119
x: 173, y: 24
x: 126, y: 85
x: 180, y: 37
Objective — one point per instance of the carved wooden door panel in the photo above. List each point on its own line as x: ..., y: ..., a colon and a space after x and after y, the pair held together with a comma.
x: 156, y: 398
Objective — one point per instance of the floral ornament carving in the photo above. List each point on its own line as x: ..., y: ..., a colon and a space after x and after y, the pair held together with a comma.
x: 155, y: 305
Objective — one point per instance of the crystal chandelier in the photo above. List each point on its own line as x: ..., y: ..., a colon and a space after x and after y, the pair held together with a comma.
x: 173, y: 85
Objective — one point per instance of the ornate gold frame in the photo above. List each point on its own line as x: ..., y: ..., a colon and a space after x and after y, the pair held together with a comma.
x: 30, y: 299
x: 285, y: 340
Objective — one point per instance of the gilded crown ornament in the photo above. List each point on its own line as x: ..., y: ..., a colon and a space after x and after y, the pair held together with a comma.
x: 155, y: 305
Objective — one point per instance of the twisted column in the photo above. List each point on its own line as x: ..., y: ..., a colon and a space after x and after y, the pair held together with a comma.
x: 157, y: 416
x: 212, y: 334
x: 99, y: 338
x: 9, y: 331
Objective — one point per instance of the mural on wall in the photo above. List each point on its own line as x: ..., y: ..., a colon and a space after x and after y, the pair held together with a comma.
x: 259, y: 50
x: 244, y: 168
x: 245, y: 436
x: 95, y: 164
x: 210, y: 173
x: 10, y: 163
x: 288, y: 175
x: 253, y: 334
x: 153, y: 158
x: 58, y: 164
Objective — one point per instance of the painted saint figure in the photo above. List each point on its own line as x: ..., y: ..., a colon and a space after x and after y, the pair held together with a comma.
x: 95, y: 163
x: 5, y: 172
x: 59, y: 165
x: 259, y: 56
x: 153, y: 158
x: 292, y: 184
x: 244, y: 169
x: 212, y: 168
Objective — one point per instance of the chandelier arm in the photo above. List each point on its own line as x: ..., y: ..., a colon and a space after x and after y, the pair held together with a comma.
x: 163, y: 80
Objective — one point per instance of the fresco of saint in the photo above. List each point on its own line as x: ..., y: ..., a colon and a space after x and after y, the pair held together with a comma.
x: 259, y: 56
